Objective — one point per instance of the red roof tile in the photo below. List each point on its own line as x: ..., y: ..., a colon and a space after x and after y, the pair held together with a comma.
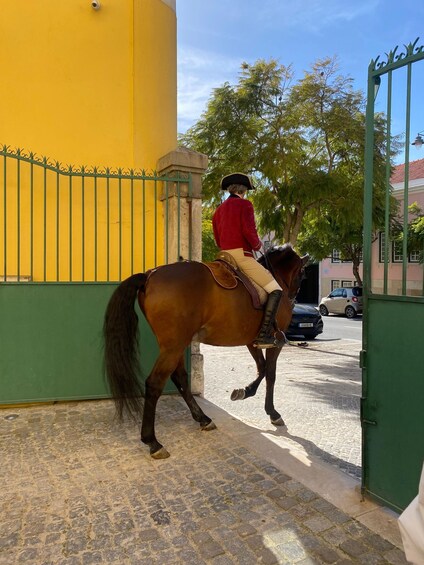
x: 416, y: 171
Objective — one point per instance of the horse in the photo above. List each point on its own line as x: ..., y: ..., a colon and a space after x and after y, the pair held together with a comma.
x: 183, y: 303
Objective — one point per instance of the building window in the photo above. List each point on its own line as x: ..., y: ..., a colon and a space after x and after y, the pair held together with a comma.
x: 335, y: 284
x: 335, y: 256
x: 382, y: 249
x: 414, y: 257
x: 397, y: 251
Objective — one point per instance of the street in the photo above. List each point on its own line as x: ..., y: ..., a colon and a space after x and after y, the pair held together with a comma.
x: 340, y: 327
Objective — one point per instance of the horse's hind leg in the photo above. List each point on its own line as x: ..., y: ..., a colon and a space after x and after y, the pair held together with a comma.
x: 155, y: 382
x: 250, y: 390
x: 180, y: 379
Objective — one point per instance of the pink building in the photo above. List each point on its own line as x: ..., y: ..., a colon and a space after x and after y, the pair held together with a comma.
x: 335, y: 273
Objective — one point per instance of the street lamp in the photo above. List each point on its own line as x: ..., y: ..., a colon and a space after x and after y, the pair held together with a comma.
x: 377, y: 83
x: 419, y: 141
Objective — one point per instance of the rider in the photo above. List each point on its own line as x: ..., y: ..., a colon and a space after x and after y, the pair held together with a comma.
x: 235, y: 232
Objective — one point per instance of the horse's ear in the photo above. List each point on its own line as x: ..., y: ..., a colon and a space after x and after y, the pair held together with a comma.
x: 304, y: 259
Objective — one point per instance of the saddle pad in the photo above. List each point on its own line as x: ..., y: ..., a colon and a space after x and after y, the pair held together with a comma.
x: 228, y: 258
x: 227, y: 276
x: 222, y: 274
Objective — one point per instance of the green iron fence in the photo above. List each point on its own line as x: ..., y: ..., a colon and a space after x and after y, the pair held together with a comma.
x: 68, y: 235
x: 68, y: 224
x: 393, y: 327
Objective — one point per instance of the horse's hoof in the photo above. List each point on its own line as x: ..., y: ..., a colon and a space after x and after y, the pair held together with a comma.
x: 238, y: 394
x: 278, y: 421
x: 208, y: 427
x: 161, y: 453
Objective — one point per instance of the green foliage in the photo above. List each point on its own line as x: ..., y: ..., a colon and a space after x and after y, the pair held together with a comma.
x: 304, y: 145
x: 209, y: 248
x: 415, y: 231
x: 416, y: 237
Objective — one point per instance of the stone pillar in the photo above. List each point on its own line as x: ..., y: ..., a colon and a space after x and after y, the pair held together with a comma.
x: 185, y: 212
x: 183, y: 161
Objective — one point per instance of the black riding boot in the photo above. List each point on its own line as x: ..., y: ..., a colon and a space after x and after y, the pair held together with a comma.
x: 267, y: 334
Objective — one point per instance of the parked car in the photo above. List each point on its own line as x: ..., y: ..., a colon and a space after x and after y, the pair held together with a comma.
x: 347, y: 301
x: 306, y: 321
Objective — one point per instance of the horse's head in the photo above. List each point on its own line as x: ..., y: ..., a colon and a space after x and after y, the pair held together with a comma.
x: 286, y: 266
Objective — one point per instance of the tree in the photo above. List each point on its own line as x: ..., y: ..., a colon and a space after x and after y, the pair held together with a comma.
x: 245, y: 127
x: 338, y: 224
x: 302, y: 143
x: 209, y: 248
x: 416, y: 235
x: 415, y: 231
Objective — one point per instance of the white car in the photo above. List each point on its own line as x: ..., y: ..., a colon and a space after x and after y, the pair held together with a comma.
x: 347, y: 301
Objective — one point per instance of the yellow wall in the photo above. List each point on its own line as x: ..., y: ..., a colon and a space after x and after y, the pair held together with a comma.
x: 88, y: 87
x: 155, y: 91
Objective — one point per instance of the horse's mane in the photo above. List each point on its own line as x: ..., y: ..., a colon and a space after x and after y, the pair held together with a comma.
x: 284, y: 252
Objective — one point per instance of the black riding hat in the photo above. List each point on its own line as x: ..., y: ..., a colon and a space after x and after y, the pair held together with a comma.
x: 237, y: 178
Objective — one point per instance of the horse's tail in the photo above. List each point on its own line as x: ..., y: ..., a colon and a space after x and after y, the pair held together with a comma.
x: 120, y: 332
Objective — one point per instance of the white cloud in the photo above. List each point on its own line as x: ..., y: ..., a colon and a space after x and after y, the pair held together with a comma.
x: 269, y: 28
x: 313, y: 15
x: 199, y: 72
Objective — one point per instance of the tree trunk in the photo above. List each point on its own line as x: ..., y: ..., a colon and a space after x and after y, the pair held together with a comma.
x: 297, y: 225
x: 292, y: 226
x: 355, y: 269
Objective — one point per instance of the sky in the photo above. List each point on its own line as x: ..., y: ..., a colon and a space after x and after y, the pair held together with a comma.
x: 216, y: 36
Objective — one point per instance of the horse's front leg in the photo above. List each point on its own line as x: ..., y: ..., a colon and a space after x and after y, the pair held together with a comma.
x: 271, y: 366
x: 250, y: 390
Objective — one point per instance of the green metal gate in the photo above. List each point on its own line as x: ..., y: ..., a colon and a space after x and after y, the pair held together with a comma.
x: 392, y: 412
x: 67, y: 237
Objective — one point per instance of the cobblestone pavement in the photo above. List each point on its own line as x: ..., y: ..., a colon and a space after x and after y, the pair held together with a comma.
x: 317, y: 391
x: 77, y: 487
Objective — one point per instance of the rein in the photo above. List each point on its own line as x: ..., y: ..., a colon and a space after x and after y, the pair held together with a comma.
x: 278, y: 278
x: 271, y: 270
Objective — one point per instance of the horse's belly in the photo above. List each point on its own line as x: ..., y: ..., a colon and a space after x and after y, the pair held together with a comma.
x: 229, y: 333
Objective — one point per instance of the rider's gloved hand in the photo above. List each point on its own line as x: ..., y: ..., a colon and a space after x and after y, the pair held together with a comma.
x: 259, y: 252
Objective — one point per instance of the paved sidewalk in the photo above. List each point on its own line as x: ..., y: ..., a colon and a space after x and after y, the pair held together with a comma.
x: 317, y: 391
x: 77, y: 487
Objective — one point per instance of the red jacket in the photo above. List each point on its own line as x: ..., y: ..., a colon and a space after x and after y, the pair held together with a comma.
x: 234, y: 225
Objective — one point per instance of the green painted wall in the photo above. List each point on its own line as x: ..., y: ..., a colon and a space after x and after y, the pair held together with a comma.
x: 51, y: 342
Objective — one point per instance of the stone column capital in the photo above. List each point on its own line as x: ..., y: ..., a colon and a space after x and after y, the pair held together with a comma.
x: 183, y: 160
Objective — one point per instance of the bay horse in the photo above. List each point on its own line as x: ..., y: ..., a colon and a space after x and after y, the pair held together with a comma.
x: 183, y: 303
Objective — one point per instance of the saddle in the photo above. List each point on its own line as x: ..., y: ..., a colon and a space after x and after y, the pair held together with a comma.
x: 226, y: 273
